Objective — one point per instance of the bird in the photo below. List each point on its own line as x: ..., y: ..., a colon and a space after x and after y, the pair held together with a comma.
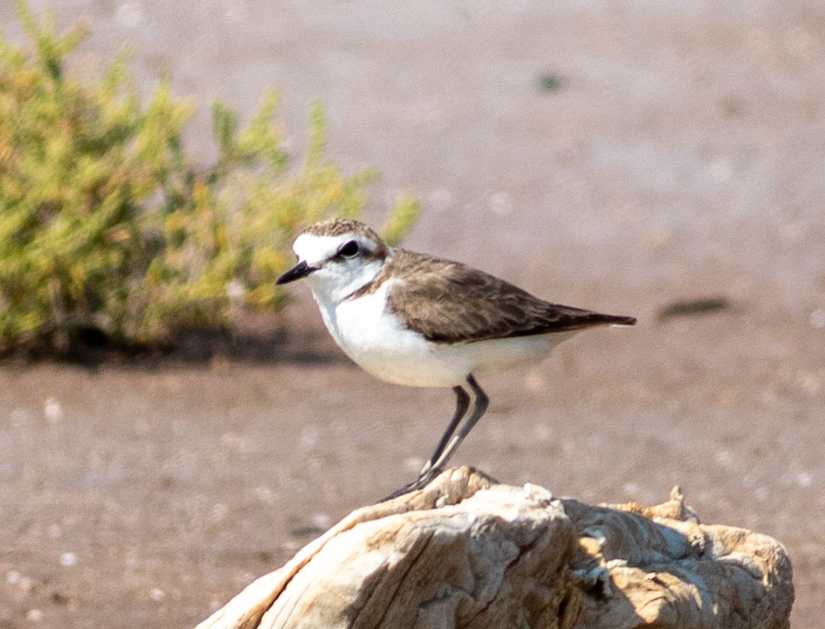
x: 418, y: 320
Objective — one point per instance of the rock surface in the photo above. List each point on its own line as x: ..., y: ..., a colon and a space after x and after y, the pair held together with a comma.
x: 468, y: 552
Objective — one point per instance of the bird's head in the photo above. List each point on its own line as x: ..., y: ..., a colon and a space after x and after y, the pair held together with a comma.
x: 337, y: 257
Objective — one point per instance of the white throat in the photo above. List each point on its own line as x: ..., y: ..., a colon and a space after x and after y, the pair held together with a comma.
x: 333, y: 284
x: 335, y: 279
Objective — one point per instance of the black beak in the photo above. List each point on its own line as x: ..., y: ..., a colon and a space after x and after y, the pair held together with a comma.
x: 302, y: 269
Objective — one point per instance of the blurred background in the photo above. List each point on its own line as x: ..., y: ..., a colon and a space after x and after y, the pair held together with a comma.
x: 666, y: 162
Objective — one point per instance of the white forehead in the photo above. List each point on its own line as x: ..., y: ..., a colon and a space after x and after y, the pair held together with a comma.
x: 316, y: 249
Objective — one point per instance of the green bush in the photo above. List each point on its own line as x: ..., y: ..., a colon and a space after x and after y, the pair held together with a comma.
x: 107, y: 224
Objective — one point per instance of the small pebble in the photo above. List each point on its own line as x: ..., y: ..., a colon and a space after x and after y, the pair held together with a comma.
x: 631, y: 489
x: 235, y: 290
x: 534, y: 381
x: 52, y: 411
x: 130, y: 15
x: 34, y: 615
x: 817, y: 318
x: 413, y: 464
x: 724, y: 458
x: 322, y: 520
x: 219, y: 511
x: 265, y: 495
x: 156, y: 594
x: 501, y: 204
x: 68, y: 560
x: 26, y: 584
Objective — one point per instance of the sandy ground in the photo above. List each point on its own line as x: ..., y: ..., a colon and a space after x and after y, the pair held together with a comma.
x: 683, y: 157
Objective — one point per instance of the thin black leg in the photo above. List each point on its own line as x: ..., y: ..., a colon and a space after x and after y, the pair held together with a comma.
x: 481, y: 403
x: 442, y: 453
x: 462, y: 403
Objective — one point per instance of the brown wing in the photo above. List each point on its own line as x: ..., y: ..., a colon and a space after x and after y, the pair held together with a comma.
x: 449, y: 302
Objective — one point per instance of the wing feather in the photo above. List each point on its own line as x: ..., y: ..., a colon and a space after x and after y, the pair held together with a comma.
x: 449, y: 302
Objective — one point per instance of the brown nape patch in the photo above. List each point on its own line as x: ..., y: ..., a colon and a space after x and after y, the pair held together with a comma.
x: 338, y: 226
x: 449, y: 302
x: 359, y: 231
x: 380, y: 252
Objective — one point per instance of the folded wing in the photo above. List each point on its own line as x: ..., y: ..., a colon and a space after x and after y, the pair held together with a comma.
x: 449, y: 302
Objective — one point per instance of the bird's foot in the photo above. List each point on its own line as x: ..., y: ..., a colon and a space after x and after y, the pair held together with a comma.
x: 422, y: 481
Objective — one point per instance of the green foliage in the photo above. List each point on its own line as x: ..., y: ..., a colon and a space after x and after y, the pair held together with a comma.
x: 106, y: 224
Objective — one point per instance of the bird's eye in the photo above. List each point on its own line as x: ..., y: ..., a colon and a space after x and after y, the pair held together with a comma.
x: 349, y: 249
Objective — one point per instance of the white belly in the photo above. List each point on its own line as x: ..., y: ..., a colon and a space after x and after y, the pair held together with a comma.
x: 378, y: 342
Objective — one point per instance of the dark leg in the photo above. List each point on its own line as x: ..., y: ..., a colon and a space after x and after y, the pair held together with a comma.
x: 481, y: 403
x: 442, y: 453
x: 462, y: 403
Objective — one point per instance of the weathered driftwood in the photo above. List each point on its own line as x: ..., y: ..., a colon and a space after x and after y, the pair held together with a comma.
x: 468, y: 552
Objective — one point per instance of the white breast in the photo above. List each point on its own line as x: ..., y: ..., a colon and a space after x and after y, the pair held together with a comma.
x: 380, y: 344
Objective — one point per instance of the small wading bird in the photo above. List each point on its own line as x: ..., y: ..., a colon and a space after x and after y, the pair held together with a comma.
x: 421, y: 321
